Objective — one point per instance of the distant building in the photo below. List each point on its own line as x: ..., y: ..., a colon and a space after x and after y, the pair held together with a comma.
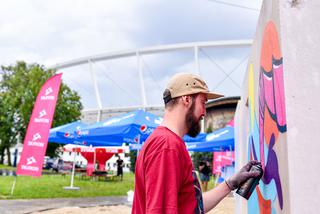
x: 220, y: 112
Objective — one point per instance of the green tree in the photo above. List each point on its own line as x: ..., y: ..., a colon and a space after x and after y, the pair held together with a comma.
x: 6, y: 139
x: 19, y: 87
x: 133, y: 158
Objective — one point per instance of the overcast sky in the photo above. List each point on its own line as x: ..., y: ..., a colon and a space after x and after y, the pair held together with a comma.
x: 50, y: 32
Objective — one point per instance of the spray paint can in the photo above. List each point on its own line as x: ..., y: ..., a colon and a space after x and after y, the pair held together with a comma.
x: 246, y: 189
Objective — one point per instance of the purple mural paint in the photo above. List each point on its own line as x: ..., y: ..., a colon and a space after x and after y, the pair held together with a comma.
x: 246, y: 189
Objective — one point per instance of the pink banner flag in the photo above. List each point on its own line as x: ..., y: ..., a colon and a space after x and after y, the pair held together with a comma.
x: 221, y: 159
x: 36, y: 139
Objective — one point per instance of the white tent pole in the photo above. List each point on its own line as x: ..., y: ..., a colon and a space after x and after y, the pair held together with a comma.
x: 71, y: 187
x: 73, y: 169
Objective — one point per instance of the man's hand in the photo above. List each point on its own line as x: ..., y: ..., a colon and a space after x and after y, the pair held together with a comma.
x: 244, y: 173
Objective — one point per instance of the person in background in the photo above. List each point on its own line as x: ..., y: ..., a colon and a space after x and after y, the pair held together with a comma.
x: 205, y: 171
x: 120, y: 165
x: 165, y: 179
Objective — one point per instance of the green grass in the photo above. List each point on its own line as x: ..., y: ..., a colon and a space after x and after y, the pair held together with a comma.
x: 51, y: 186
x: 7, y: 167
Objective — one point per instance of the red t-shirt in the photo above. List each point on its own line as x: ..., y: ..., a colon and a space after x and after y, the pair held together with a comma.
x: 165, y: 180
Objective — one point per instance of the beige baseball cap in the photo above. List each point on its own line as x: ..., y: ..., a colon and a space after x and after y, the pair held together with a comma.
x: 186, y: 84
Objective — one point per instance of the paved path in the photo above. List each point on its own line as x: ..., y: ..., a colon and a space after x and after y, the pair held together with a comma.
x: 28, y: 206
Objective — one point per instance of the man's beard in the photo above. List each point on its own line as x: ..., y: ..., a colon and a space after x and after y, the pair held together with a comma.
x: 193, y: 124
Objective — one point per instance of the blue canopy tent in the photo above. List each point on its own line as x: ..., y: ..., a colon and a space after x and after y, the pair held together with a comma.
x: 70, y: 133
x: 219, y: 140
x: 201, y: 137
x: 133, y: 127
x: 66, y: 134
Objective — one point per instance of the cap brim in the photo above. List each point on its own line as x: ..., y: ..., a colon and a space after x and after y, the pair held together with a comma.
x: 211, y: 95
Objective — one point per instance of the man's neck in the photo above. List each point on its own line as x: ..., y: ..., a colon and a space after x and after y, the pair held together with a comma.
x: 175, y: 121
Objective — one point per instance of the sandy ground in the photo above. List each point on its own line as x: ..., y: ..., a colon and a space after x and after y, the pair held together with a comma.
x: 121, y: 209
x: 226, y: 207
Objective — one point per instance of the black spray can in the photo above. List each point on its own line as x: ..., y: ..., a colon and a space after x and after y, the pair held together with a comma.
x: 246, y: 189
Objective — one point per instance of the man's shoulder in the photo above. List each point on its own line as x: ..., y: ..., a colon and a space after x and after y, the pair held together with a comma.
x: 164, y: 135
x: 165, y: 132
x: 163, y: 139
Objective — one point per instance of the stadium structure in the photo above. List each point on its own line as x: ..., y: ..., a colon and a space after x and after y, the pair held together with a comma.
x: 200, y: 57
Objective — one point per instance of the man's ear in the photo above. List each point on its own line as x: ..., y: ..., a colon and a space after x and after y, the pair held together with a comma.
x: 186, y: 100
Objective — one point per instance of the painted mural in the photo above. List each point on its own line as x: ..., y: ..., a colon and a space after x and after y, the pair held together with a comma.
x: 267, y: 122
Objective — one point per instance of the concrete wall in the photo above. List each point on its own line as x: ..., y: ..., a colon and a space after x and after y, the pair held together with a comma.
x: 277, y: 117
x: 301, y: 49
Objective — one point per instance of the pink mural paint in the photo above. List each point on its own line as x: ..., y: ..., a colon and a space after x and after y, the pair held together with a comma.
x: 268, y: 91
x: 271, y: 123
x: 36, y: 139
x: 279, y: 96
x: 261, y: 120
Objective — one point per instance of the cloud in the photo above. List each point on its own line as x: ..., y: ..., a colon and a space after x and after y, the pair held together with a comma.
x: 189, y: 21
x: 50, y: 32
x: 65, y: 30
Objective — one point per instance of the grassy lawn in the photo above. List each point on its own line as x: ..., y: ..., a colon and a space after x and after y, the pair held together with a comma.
x: 51, y: 186
x: 7, y: 167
